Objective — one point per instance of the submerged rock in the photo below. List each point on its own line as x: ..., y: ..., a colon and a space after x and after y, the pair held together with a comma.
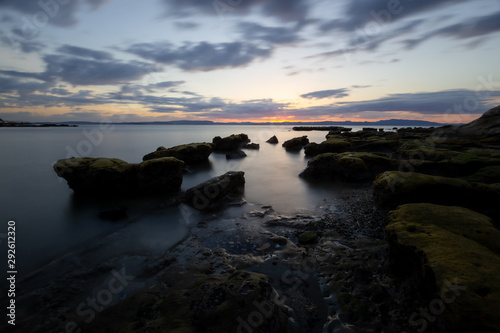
x: 273, y: 139
x: 190, y: 153
x: 448, y: 251
x: 348, y: 166
x: 215, y: 192
x: 101, y: 176
x: 393, y: 188
x: 296, y: 143
x: 230, y: 143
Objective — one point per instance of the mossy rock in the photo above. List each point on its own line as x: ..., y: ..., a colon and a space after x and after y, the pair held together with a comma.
x: 197, y: 303
x: 393, y: 188
x: 230, y: 143
x: 189, y: 153
x: 354, y: 166
x: 102, y: 176
x: 459, y: 220
x: 488, y: 175
x: 461, y: 274
x: 296, y: 143
x: 332, y: 145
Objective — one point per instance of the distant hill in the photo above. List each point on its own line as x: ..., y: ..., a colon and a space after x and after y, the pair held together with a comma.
x: 389, y: 122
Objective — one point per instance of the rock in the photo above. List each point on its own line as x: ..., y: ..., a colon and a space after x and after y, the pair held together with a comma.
x: 459, y: 220
x: 486, y: 126
x: 255, y: 146
x: 296, y: 143
x: 198, y: 302
x: 456, y: 274
x: 393, y: 188
x: 308, y: 237
x: 273, y: 139
x: 348, y: 166
x: 331, y: 145
x: 488, y: 175
x: 369, y: 129
x: 230, y: 143
x: 102, y: 176
x: 190, y: 153
x: 215, y: 192
x: 235, y: 155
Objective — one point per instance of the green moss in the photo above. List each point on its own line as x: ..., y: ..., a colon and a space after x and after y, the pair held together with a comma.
x: 393, y: 188
x: 458, y: 220
x: 449, y: 258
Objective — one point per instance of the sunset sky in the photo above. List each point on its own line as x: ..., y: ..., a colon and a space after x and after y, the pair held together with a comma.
x: 248, y: 60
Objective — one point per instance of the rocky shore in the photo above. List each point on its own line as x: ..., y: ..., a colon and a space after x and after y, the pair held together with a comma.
x: 411, y: 245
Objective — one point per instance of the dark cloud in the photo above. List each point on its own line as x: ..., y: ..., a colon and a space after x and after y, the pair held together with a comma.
x: 336, y: 93
x: 23, y: 88
x: 15, y: 40
x: 202, y: 56
x: 476, y: 27
x: 283, y: 10
x: 165, y: 84
x: 272, y: 35
x: 425, y: 103
x: 84, y: 52
x: 40, y: 13
x: 60, y: 91
x: 78, y: 71
x: 359, y: 13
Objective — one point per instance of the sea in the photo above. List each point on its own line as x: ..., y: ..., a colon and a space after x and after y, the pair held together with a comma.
x: 51, y: 222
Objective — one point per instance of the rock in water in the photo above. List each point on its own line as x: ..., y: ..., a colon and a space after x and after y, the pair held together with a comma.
x: 331, y: 145
x: 255, y: 146
x: 273, y: 139
x: 448, y: 252
x: 102, y: 176
x: 235, y: 155
x: 296, y: 143
x: 354, y: 167
x: 215, y: 192
x: 190, y: 153
x: 230, y: 143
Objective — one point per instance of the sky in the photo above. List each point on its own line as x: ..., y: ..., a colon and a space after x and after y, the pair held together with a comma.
x: 248, y: 60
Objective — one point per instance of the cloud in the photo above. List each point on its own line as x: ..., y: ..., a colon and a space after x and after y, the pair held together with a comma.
x: 336, y: 93
x: 49, y: 12
x: 165, y: 84
x: 476, y: 27
x: 359, y: 13
x: 423, y: 103
x: 201, y: 56
x: 283, y: 10
x: 16, y: 41
x: 84, y: 52
x: 79, y: 71
x: 272, y: 35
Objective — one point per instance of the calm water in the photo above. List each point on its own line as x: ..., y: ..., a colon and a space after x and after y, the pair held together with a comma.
x: 51, y: 222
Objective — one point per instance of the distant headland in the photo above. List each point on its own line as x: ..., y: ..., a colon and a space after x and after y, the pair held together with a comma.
x: 389, y: 122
